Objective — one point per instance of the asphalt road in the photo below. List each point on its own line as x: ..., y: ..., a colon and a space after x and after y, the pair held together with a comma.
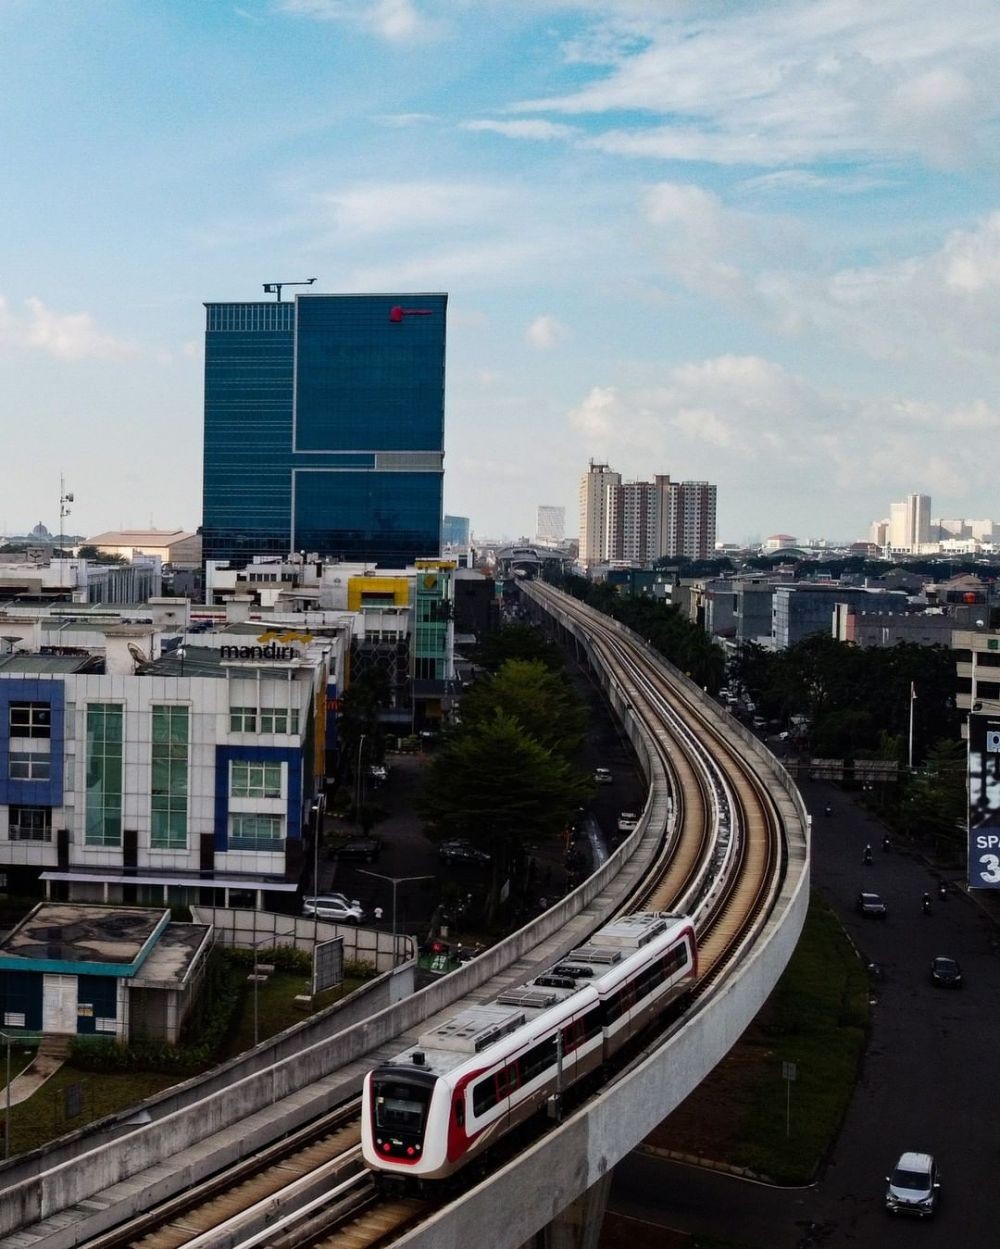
x: 926, y: 1081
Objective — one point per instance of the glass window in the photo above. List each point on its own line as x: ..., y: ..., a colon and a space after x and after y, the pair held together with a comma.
x: 30, y: 824
x: 26, y: 766
x: 169, y: 779
x: 256, y: 832
x: 243, y: 719
x: 30, y: 720
x: 255, y: 780
x: 104, y: 774
x: 279, y: 720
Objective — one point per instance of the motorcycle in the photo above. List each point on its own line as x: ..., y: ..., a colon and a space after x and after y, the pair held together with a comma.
x: 942, y: 891
x: 886, y: 845
x: 925, y: 904
x: 828, y: 810
x: 866, y: 858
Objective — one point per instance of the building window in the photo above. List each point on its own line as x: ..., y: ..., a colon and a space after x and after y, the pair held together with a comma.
x: 255, y: 832
x: 104, y: 774
x: 26, y: 766
x: 279, y: 720
x: 255, y: 780
x: 30, y: 824
x: 243, y: 719
x: 169, y: 781
x: 30, y: 720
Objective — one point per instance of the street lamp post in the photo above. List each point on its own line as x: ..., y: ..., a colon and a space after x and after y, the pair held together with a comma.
x: 394, y: 881
x: 358, y: 785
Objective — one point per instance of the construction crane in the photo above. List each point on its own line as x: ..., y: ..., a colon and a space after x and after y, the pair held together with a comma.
x: 274, y: 288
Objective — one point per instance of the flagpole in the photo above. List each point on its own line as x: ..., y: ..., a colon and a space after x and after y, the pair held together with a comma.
x: 913, y: 699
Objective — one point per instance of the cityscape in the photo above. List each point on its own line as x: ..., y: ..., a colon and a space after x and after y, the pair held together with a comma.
x: 499, y: 625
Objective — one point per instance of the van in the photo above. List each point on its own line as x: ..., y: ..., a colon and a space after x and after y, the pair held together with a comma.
x: 913, y: 1186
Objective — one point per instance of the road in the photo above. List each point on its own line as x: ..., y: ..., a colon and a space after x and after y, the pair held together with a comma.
x: 926, y: 1081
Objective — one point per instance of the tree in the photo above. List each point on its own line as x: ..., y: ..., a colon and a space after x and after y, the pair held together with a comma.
x: 500, y: 788
x: 935, y: 804
x: 517, y: 641
x: 542, y: 702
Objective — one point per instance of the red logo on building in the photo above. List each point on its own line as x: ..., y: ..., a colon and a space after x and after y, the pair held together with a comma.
x: 398, y: 312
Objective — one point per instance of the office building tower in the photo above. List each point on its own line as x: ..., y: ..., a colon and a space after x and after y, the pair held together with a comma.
x: 455, y: 531
x: 910, y: 523
x: 324, y: 428
x: 593, y: 511
x: 550, y: 524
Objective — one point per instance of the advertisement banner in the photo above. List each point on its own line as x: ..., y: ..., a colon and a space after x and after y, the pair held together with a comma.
x: 984, y: 802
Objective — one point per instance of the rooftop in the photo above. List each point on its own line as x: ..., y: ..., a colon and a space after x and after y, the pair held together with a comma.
x: 61, y: 933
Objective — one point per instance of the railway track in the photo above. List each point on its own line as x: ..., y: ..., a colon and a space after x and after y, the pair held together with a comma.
x: 721, y: 859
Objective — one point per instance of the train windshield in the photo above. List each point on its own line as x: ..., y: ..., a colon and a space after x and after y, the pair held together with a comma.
x: 400, y: 1107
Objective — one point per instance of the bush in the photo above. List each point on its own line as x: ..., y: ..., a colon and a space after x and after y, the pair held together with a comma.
x: 358, y: 969
x: 280, y: 957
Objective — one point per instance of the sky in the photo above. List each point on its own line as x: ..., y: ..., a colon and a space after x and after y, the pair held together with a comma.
x: 751, y: 243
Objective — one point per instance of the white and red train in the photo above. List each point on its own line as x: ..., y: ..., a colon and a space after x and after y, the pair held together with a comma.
x: 438, y: 1105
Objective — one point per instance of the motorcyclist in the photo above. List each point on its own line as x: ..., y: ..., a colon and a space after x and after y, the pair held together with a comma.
x: 925, y: 903
x: 867, y: 856
x: 886, y: 843
x: 828, y: 810
x: 942, y: 890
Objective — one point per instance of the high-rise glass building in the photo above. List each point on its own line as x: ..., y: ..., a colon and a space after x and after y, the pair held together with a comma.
x: 324, y: 428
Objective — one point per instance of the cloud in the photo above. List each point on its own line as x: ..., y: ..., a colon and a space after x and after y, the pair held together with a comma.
x: 760, y: 432
x: 401, y: 121
x: 692, y: 234
x: 394, y: 20
x: 529, y: 128
x: 793, y: 82
x: 546, y: 332
x: 66, y: 336
x: 392, y: 207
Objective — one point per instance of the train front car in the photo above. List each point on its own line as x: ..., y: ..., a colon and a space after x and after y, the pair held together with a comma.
x: 399, y: 1104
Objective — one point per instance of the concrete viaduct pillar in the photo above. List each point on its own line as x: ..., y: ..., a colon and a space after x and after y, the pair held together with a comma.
x: 579, y: 1225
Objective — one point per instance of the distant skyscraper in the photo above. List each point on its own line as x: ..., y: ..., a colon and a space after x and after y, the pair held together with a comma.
x: 593, y: 511
x: 685, y: 519
x: 324, y: 427
x: 455, y: 531
x: 550, y: 524
x: 910, y: 522
x: 631, y: 521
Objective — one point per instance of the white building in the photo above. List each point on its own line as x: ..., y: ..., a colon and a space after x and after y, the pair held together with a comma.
x: 910, y: 523
x: 594, y: 512
x: 550, y: 524
x: 191, y: 779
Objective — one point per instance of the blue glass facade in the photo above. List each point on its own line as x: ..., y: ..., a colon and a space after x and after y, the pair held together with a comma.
x: 324, y: 427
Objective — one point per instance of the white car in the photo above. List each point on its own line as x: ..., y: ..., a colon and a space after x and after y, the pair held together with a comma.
x: 628, y: 822
x: 913, y: 1186
x: 334, y: 906
x: 602, y: 776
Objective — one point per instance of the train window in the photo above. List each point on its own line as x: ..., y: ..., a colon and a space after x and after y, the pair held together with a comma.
x: 615, y: 1006
x: 538, y: 1059
x: 459, y: 1110
x: 400, y: 1107
x: 593, y: 1024
x: 484, y: 1095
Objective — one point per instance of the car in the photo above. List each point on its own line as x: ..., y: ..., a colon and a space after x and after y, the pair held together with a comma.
x: 602, y: 776
x: 459, y: 850
x: 378, y: 773
x: 946, y: 972
x: 870, y: 904
x: 914, y: 1186
x: 627, y: 822
x: 759, y: 722
x: 365, y: 849
x: 333, y: 907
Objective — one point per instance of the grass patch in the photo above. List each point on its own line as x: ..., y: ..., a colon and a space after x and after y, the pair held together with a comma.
x: 816, y: 1018
x: 276, y: 1009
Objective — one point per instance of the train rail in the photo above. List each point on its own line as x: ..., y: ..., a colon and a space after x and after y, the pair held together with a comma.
x: 721, y: 858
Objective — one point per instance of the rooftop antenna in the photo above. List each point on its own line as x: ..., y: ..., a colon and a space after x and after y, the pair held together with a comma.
x: 65, y: 496
x: 274, y: 288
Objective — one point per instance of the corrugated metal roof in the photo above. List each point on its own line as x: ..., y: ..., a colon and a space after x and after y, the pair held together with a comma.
x: 24, y: 661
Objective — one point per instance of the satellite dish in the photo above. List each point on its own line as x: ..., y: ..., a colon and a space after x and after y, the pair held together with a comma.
x: 138, y: 655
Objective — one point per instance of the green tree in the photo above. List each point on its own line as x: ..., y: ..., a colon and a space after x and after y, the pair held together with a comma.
x: 517, y: 641
x: 935, y: 801
x: 501, y: 789
x: 543, y: 703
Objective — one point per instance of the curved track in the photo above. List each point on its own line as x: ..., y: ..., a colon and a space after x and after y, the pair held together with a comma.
x: 719, y: 853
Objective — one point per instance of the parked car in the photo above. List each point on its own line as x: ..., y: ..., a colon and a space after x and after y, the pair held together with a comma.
x: 602, y: 776
x: 946, y: 973
x: 458, y: 850
x: 870, y: 904
x: 914, y: 1186
x: 378, y: 774
x: 627, y: 822
x: 365, y: 849
x: 335, y: 907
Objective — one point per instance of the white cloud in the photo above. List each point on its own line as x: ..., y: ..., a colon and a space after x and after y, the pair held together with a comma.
x: 791, y: 82
x: 389, y: 207
x: 64, y: 335
x: 528, y: 128
x: 402, y: 121
x: 394, y: 20
x: 760, y: 432
x: 546, y: 332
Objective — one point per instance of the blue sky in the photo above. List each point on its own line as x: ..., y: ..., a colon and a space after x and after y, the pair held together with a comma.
x: 757, y: 244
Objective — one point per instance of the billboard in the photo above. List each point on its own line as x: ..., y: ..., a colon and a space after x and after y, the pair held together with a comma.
x: 984, y: 801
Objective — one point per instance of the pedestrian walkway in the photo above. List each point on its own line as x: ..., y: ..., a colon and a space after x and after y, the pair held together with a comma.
x: 52, y: 1053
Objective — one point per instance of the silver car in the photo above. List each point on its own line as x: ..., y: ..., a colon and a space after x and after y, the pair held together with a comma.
x: 913, y: 1186
x: 336, y: 907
